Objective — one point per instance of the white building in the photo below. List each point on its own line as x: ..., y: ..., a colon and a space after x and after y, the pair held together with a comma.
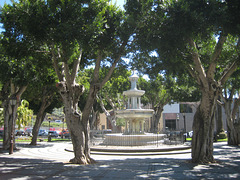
x: 179, y: 116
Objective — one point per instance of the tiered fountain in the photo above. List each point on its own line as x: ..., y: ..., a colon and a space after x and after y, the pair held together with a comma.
x: 134, y: 117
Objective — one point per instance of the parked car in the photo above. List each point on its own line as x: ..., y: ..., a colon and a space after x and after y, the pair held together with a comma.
x: 28, y: 132
x: 42, y: 132
x: 102, y: 133
x: 64, y: 133
x: 58, y: 121
x: 20, y: 133
x: 53, y: 134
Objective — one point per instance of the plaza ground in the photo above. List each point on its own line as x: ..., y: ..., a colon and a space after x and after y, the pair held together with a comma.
x: 49, y: 160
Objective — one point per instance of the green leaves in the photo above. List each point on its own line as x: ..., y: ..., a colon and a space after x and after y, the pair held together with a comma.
x: 24, y: 114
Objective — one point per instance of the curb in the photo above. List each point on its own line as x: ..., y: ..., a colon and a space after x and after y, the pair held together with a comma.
x: 138, y: 152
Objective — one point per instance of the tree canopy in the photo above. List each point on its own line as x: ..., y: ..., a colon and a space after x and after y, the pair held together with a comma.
x: 74, y: 34
x: 191, y: 38
x: 184, y: 39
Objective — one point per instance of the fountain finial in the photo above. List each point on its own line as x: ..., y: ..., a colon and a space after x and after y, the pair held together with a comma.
x: 134, y: 78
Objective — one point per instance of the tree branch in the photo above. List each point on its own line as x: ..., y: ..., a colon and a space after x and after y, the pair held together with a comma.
x: 76, y: 67
x: 232, y: 93
x: 225, y: 93
x: 236, y: 105
x: 97, y: 67
x: 229, y: 72
x: 102, y: 106
x: 21, y: 90
x: 219, y: 102
x: 110, y: 102
x: 198, y: 65
x: 215, y: 56
x: 193, y: 73
x: 55, y: 65
x: 233, y: 67
x: 67, y: 75
x: 119, y: 55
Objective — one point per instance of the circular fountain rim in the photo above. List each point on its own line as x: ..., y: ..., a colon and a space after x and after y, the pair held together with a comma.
x: 134, y: 92
x: 134, y: 113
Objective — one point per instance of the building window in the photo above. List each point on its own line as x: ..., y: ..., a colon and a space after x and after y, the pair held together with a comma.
x: 185, y: 108
x: 170, y: 124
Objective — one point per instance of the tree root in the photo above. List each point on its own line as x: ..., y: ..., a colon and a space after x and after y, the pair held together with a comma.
x: 33, y: 144
x: 82, y: 160
x: 204, y: 161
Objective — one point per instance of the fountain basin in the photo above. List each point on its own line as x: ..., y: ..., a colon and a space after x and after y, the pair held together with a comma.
x: 134, y: 93
x: 134, y: 113
x: 133, y: 140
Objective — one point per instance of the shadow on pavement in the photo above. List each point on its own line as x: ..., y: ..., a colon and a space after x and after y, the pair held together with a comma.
x: 132, y: 168
x: 25, y: 145
x: 116, y: 169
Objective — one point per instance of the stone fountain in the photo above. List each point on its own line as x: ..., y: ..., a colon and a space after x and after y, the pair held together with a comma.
x: 135, y: 117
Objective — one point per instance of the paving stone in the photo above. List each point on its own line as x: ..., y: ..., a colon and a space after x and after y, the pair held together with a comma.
x: 50, y: 161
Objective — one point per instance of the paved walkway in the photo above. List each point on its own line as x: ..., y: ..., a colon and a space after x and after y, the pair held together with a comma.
x: 50, y: 161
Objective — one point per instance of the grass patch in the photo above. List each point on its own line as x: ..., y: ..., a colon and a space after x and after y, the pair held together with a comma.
x: 219, y: 140
x: 222, y: 140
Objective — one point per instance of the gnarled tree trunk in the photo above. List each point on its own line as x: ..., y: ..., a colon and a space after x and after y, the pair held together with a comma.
x: 10, y: 116
x: 219, y: 120
x: 10, y: 113
x: 203, y: 128
x: 203, y: 124
x: 79, y: 131
x: 93, y: 120
x: 233, y: 124
x: 156, y: 119
x: 78, y: 124
x: 78, y: 127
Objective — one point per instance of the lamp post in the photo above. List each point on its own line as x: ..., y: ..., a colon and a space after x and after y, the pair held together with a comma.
x: 178, y: 122
x: 63, y: 123
x: 49, y: 125
x: 13, y: 102
x: 184, y: 121
x: 63, y: 128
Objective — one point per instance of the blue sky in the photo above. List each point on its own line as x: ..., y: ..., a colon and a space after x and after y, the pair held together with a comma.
x: 3, y: 1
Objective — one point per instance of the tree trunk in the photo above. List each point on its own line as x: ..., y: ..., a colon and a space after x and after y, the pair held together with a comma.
x: 93, y: 119
x: 39, y: 119
x: 110, y: 117
x: 10, y: 113
x: 233, y: 133
x: 46, y: 102
x: 78, y: 127
x: 203, y: 129
x: 80, y: 137
x: 219, y: 120
x: 232, y: 125
x: 157, y: 116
